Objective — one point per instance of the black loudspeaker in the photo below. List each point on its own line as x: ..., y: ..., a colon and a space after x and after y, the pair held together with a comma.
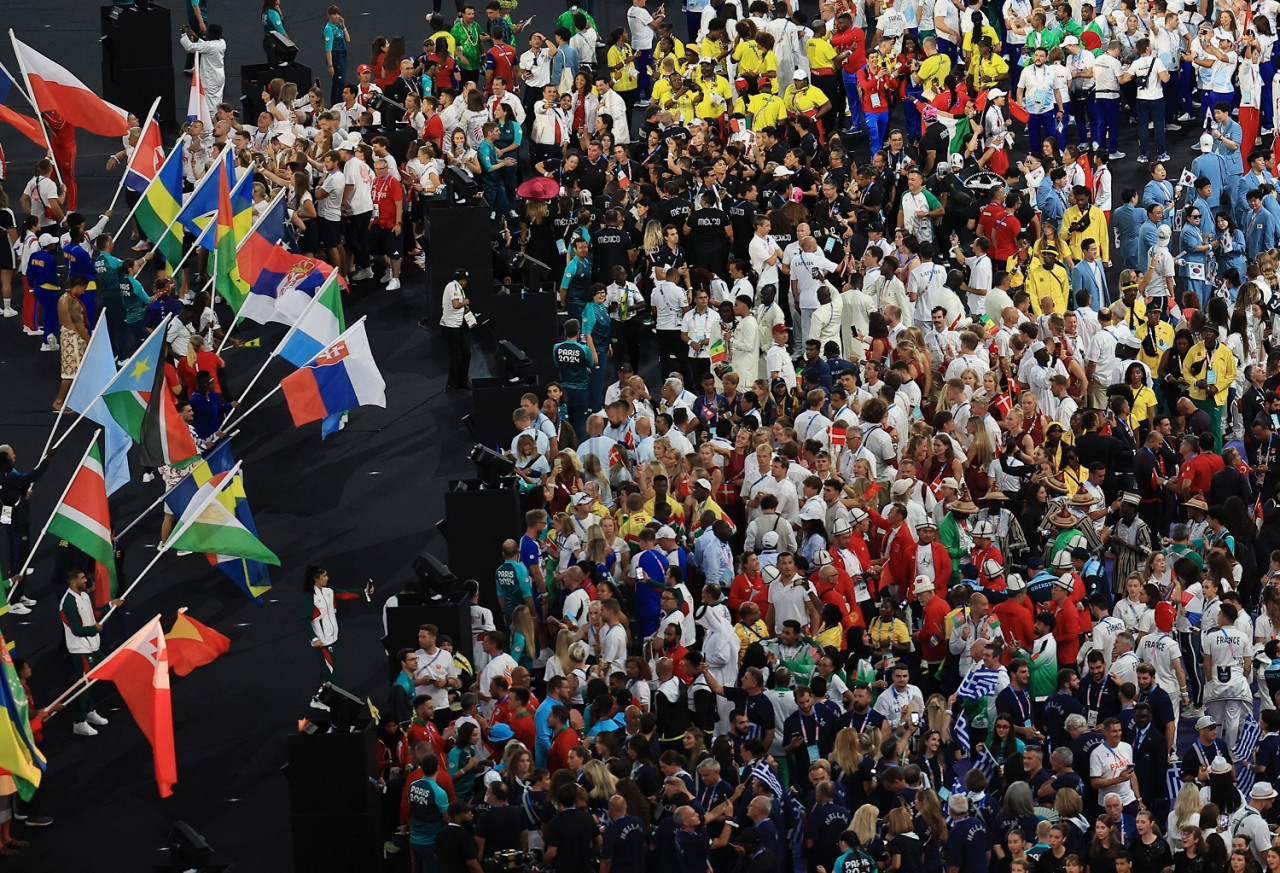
x: 459, y: 241
x: 283, y: 50
x: 137, y: 66
x: 528, y: 319
x: 453, y: 619
x: 254, y: 78
x: 478, y: 520
x: 492, y: 402
x: 335, y: 801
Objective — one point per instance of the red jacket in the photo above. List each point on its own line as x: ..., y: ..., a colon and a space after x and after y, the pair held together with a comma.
x: 900, y: 563
x: 1066, y: 632
x: 932, y: 637
x: 941, y: 568
x: 744, y: 588
x: 875, y: 91
x: 524, y: 728
x: 853, y: 41
x: 558, y: 757
x: 1017, y: 620
x: 978, y: 557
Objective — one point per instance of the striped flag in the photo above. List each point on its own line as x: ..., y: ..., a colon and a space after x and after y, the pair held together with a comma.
x: 960, y: 734
x: 762, y: 771
x: 980, y: 682
x: 986, y: 763
x: 1173, y: 780
x: 1250, y: 733
x: 1245, y: 777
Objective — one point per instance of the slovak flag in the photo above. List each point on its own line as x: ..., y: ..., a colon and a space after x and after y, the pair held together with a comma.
x: 341, y: 377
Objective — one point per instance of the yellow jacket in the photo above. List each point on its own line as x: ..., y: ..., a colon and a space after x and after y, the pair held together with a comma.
x: 1221, y: 369
x: 1163, y: 340
x: 1043, y: 282
x: 1097, y: 231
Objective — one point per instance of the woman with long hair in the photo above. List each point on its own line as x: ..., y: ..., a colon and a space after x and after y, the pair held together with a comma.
x: 638, y: 678
x: 602, y: 786
x: 303, y: 214
x: 1070, y: 809
x: 1149, y: 851
x: 1221, y: 790
x: 1104, y: 845
x: 1004, y: 742
x: 523, y: 636
x: 931, y: 824
x: 905, y: 848
x: 1193, y: 854
x: 866, y: 824
x: 1241, y: 861
x: 644, y: 772
x: 322, y: 617
x: 1185, y: 813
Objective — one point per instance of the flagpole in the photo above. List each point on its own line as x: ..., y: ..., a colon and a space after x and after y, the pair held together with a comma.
x: 190, y: 516
x: 164, y: 325
x: 31, y: 552
x: 257, y: 222
x: 172, y: 152
x: 275, y: 353
x: 84, y: 683
x: 131, y: 525
x: 264, y: 399
x: 101, y: 325
x: 30, y: 95
x: 129, y: 163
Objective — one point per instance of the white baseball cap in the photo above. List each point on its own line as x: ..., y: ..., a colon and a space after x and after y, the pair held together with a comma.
x: 665, y: 533
x: 923, y: 584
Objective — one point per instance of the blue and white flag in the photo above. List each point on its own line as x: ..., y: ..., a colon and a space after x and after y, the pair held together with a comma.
x: 980, y: 682
x: 1245, y: 777
x: 960, y: 734
x: 1173, y: 781
x: 1247, y: 742
x: 987, y: 764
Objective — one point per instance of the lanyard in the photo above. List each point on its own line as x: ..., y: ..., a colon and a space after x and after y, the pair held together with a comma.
x: 1101, y: 689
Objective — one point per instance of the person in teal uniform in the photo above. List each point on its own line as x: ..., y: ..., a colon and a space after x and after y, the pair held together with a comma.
x: 336, y: 37
x: 272, y: 22
x: 576, y: 284
x: 597, y: 330
x: 574, y: 361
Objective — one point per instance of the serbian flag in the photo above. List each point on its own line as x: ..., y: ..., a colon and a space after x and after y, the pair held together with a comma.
x: 341, y: 377
x: 54, y: 87
x: 192, y: 644
x: 147, y: 157
x: 140, y: 671
x: 281, y: 284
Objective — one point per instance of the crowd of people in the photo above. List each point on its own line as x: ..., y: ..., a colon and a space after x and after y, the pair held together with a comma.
x: 905, y: 498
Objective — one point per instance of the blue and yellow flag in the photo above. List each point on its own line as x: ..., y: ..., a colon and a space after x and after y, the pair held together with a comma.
x: 160, y: 206
x: 251, y: 576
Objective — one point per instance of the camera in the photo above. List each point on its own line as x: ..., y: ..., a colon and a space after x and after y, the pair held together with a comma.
x: 511, y: 860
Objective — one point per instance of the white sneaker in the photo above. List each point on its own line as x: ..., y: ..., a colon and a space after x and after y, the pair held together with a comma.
x: 1186, y: 116
x: 32, y: 331
x: 148, y: 477
x: 182, y: 553
x: 19, y: 608
x: 8, y: 312
x: 49, y: 345
x: 362, y: 275
x: 96, y: 720
x: 393, y: 285
x: 27, y: 601
x: 386, y: 277
x: 142, y: 246
x: 83, y: 729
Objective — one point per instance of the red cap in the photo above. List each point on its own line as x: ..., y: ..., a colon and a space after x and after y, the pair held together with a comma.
x: 1165, y: 613
x: 779, y: 328
x: 363, y: 68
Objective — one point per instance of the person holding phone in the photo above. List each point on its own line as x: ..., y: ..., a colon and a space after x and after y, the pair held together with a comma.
x: 1111, y: 769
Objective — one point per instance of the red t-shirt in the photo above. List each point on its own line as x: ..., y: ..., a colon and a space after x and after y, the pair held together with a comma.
x: 207, y: 361
x: 445, y: 68
x: 386, y: 194
x: 558, y: 756
x: 434, y: 130
x: 1002, y: 229
x: 500, y: 59
x: 1197, y: 472
x: 853, y: 41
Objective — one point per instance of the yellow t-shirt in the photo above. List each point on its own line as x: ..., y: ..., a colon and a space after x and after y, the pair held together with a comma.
x: 933, y: 71
x: 748, y: 57
x: 821, y: 53
x: 1054, y: 283
x: 453, y: 43
x: 1220, y: 367
x: 677, y: 511
x: 623, y: 77
x: 766, y: 110
x: 987, y: 71
x: 709, y: 106
x: 710, y: 48
x: 810, y: 98
x: 1143, y: 402
x: 1163, y: 340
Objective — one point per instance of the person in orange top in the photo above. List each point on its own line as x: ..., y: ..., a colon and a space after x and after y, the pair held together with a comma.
x: 198, y: 358
x: 422, y: 727
x: 520, y: 719
x: 1017, y: 614
x: 986, y: 556
x: 564, y: 739
x: 932, y: 635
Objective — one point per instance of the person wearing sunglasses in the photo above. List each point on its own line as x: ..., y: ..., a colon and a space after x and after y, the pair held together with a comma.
x: 1194, y: 243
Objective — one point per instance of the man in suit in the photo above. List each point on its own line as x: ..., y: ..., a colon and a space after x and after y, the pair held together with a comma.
x: 1088, y: 274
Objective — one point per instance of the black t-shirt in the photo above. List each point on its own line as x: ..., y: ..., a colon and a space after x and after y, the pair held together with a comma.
x: 592, y: 176
x: 500, y: 827
x: 573, y: 832
x: 455, y: 846
x: 674, y: 210
x: 911, y: 848
x: 742, y: 214
x: 625, y: 843
x: 707, y: 228
x: 935, y: 140
x: 610, y: 245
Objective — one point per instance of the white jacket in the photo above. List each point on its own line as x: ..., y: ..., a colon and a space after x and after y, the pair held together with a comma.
x: 212, y: 54
x: 324, y: 618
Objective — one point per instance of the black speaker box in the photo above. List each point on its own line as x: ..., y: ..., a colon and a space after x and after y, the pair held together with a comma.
x: 255, y: 77
x: 529, y: 321
x: 136, y: 65
x: 459, y: 241
x: 477, y: 522
x: 453, y: 619
x: 492, y: 402
x: 336, y: 806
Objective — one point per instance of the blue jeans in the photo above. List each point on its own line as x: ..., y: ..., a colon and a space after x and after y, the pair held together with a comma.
x: 877, y: 126
x: 1106, y: 123
x: 1150, y: 111
x: 339, y: 77
x: 855, y: 102
x: 1040, y: 126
